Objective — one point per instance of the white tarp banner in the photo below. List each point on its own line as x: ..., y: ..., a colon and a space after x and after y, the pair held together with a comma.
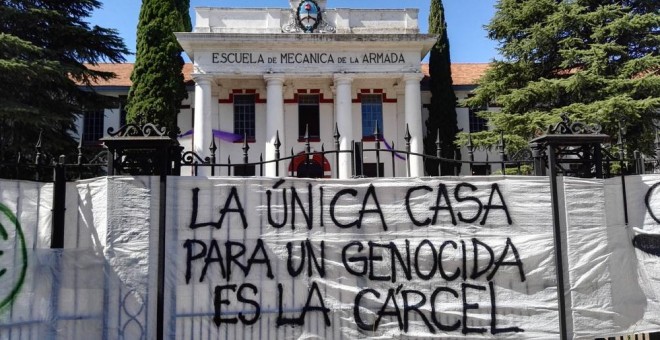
x: 270, y: 258
x: 99, y: 285
x: 258, y: 258
x: 614, y: 287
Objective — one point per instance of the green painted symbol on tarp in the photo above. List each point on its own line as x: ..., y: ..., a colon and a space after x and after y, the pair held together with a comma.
x: 12, y: 269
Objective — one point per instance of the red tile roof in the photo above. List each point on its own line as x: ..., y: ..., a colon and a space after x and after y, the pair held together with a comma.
x: 123, y: 72
x: 462, y: 73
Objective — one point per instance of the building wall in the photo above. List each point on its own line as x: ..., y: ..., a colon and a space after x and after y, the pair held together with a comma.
x: 393, y: 129
x: 234, y: 49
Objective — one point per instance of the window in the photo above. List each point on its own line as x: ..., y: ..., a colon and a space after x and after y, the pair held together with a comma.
x: 244, y: 121
x: 308, y: 115
x: 92, y: 126
x: 372, y: 114
x: 477, y: 123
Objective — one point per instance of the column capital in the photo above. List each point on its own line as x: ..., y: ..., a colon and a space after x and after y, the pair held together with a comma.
x: 274, y: 78
x: 202, y: 78
x: 343, y: 78
x: 413, y: 77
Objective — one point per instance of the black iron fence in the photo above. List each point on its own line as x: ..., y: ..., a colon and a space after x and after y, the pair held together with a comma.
x: 570, y: 149
x: 132, y: 150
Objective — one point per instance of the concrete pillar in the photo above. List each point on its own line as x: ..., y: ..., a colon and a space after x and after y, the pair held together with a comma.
x: 344, y: 116
x: 202, y: 134
x: 413, y: 115
x: 274, y: 121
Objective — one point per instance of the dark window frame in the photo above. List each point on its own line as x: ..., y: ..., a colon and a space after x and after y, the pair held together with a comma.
x: 309, y: 114
x: 245, y: 116
x: 92, y: 129
x: 476, y: 123
x: 371, y: 111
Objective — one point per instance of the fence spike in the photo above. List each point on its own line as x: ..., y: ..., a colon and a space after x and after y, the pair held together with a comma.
x: 38, y: 145
x: 376, y: 131
x: 470, y: 148
x: 39, y: 142
x: 213, y: 147
x: 308, y: 147
x: 620, y: 143
x: 407, y: 137
x: 277, y: 143
x: 501, y: 144
x: 469, y: 144
x: 246, y: 148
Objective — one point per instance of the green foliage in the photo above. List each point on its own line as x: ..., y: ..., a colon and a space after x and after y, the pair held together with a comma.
x: 442, y: 112
x: 597, y: 61
x: 514, y: 170
x: 158, y: 86
x: 183, y: 6
x: 44, y: 47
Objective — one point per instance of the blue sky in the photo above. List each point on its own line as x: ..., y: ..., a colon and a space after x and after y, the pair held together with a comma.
x: 465, y: 20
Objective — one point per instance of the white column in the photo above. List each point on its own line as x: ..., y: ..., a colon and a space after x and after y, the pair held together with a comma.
x: 413, y: 101
x: 274, y: 121
x: 202, y: 134
x: 344, y: 116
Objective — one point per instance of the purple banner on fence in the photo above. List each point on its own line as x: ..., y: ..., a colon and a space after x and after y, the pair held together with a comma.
x: 185, y: 134
x: 389, y: 147
x: 221, y: 135
x: 227, y: 136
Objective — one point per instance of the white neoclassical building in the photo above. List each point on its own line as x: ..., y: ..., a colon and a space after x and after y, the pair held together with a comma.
x: 268, y: 73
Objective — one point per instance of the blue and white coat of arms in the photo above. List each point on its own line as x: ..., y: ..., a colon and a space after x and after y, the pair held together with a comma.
x: 307, y: 18
x: 308, y: 15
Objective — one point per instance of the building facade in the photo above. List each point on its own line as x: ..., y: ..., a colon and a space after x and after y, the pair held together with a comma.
x: 280, y: 75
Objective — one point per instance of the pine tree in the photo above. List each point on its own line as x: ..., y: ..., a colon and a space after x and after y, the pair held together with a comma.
x: 158, y: 86
x: 44, y: 49
x: 595, y: 60
x: 442, y: 112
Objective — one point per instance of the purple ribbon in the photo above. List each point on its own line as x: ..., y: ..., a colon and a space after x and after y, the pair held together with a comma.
x: 233, y: 137
x: 187, y: 133
x: 221, y: 135
x: 389, y: 147
x: 227, y: 136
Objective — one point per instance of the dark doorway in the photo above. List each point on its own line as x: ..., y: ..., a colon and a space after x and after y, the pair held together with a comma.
x: 310, y: 169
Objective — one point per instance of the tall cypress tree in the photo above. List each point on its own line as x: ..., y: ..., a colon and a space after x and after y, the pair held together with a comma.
x: 183, y: 6
x: 158, y: 86
x: 442, y: 112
